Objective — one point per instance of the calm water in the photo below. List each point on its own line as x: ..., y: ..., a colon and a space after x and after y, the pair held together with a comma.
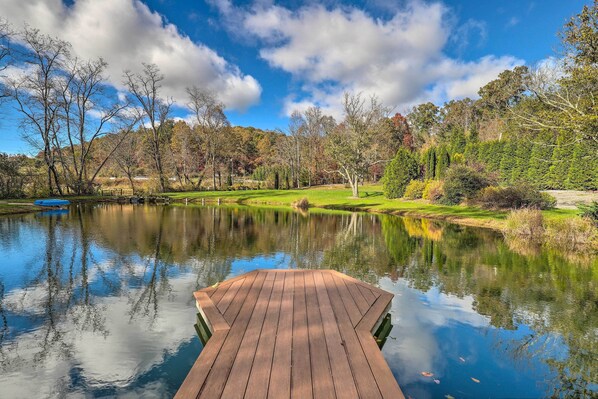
x: 97, y: 302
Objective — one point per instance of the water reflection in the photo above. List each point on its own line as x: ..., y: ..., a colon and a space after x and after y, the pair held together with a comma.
x: 98, y: 301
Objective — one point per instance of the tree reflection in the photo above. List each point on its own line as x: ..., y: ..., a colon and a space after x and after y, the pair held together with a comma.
x: 134, y: 252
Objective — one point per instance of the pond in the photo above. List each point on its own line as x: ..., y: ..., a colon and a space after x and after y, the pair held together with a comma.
x: 97, y: 301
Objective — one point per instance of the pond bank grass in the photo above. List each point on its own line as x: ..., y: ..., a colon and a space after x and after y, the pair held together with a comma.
x: 528, y: 227
x: 15, y: 208
x: 338, y: 199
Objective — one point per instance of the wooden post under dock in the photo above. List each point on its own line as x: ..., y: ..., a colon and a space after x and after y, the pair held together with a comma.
x: 291, y: 334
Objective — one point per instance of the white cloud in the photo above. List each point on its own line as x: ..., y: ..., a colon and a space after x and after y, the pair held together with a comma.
x: 512, y: 22
x: 417, y: 317
x: 400, y: 59
x: 126, y: 33
x: 126, y: 347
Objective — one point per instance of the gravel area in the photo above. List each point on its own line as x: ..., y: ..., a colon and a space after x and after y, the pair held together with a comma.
x: 568, y: 199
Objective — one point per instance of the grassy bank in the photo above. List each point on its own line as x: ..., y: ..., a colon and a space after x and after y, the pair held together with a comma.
x: 17, y: 208
x: 25, y: 205
x: 327, y: 198
x: 371, y: 200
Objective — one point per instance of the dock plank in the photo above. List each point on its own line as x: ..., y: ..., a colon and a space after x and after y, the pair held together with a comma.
x: 301, y: 385
x: 280, y: 379
x: 259, y: 379
x: 218, y: 376
x: 347, y: 300
x: 228, y: 297
x: 369, y: 296
x: 239, y: 374
x: 364, y: 380
x: 342, y: 377
x: 321, y: 374
x: 291, y: 334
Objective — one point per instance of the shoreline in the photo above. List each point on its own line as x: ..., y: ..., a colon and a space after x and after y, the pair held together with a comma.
x: 324, y: 198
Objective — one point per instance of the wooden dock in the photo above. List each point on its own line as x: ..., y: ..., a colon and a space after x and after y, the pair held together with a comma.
x: 291, y: 334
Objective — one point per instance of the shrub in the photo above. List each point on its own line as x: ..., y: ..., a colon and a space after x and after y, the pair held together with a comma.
x: 400, y: 171
x: 302, y: 204
x: 415, y: 189
x: 525, y: 223
x: 462, y: 182
x: 458, y: 159
x: 589, y: 211
x: 514, y: 198
x: 571, y: 233
x: 433, y: 190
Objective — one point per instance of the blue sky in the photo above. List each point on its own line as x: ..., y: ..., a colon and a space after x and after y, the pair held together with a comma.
x: 266, y: 58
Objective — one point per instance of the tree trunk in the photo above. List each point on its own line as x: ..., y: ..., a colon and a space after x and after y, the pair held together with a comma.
x: 354, y: 182
x: 131, y: 183
x: 214, y: 172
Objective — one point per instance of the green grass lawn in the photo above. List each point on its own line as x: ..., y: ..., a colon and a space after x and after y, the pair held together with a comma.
x: 371, y: 199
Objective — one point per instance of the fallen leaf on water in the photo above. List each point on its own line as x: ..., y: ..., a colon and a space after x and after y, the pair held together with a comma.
x: 437, y: 381
x: 427, y: 374
x: 460, y: 358
x: 475, y: 380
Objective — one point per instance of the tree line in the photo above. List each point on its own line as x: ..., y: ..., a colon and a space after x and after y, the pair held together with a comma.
x: 537, y: 125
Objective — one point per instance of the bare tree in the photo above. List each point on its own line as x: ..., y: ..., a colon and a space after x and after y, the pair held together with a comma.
x: 36, y: 95
x: 126, y: 154
x: 145, y: 88
x: 89, y: 112
x: 188, y: 157
x: 5, y: 36
x: 566, y: 103
x: 353, y: 145
x: 316, y: 126
x: 211, y: 122
x: 289, y: 147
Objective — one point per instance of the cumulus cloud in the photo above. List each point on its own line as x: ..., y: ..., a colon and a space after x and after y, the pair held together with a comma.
x: 126, y: 33
x: 401, y: 59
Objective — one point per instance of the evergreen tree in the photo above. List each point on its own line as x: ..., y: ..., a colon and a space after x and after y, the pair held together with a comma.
x: 522, y: 155
x: 540, y: 161
x: 403, y: 168
x: 561, y: 162
x: 584, y: 167
x: 443, y: 161
x: 471, y: 151
x: 457, y: 141
x: 508, y: 162
x: 429, y: 161
x: 483, y: 152
x: 494, y: 155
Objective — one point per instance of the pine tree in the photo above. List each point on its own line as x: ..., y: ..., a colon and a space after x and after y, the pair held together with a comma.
x: 443, y: 161
x: 457, y: 142
x: 494, y: 155
x: 484, y: 152
x: 429, y: 163
x: 403, y: 168
x: 561, y: 162
x: 540, y: 161
x: 508, y: 162
x: 582, y: 173
x: 522, y: 155
x: 471, y: 151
